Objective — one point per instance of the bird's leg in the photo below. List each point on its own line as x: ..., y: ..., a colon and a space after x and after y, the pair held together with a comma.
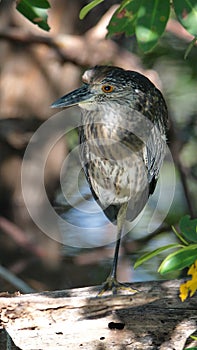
x: 120, y: 226
x: 111, y: 282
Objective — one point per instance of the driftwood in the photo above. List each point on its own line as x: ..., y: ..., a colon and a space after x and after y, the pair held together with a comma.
x: 154, y: 318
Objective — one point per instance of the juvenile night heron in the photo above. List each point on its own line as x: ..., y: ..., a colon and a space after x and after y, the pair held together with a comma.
x: 122, y: 143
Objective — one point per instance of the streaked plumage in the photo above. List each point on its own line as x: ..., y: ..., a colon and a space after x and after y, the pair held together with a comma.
x: 122, y: 137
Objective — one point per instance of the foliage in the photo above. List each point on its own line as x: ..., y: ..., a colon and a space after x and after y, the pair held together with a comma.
x: 185, y: 256
x: 35, y: 11
x: 84, y: 11
x: 148, y: 19
x: 194, y: 347
x: 186, y: 12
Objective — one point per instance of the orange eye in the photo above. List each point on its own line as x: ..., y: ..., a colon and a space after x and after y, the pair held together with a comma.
x: 107, y: 88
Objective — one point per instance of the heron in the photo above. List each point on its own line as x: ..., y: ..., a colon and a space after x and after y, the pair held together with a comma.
x: 122, y: 144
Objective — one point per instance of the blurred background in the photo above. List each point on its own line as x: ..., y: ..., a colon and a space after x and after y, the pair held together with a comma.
x: 36, y: 68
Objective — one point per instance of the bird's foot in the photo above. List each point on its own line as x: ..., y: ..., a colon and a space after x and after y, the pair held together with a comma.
x: 111, y: 284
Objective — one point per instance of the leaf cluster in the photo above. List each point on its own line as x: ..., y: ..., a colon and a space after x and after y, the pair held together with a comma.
x: 147, y: 20
x: 186, y: 251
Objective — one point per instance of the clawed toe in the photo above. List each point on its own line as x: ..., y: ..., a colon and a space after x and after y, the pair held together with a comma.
x: 111, y: 284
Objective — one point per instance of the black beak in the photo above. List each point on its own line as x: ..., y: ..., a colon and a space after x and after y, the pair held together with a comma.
x: 83, y: 94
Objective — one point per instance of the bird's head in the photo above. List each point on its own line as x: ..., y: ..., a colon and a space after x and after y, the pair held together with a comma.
x: 102, y: 84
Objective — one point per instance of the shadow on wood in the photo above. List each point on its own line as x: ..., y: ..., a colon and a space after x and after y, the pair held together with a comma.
x: 73, y: 319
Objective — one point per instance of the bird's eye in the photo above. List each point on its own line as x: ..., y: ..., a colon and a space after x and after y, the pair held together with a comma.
x: 107, y: 88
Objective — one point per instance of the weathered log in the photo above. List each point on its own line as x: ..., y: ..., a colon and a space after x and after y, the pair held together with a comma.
x: 154, y: 318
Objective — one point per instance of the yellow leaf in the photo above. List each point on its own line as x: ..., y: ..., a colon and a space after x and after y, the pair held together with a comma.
x: 190, y: 287
x: 183, y: 291
x: 193, y: 269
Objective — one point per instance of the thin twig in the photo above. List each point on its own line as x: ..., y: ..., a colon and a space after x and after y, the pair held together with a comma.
x: 15, y: 281
x: 185, y: 188
x: 19, y: 237
x: 176, y: 145
x: 21, y: 37
x: 174, y: 27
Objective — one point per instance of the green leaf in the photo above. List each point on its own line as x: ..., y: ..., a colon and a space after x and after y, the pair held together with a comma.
x: 36, y: 15
x: 152, y: 19
x: 179, y: 260
x: 155, y: 252
x: 193, y: 337
x: 42, y: 4
x: 186, y: 11
x: 179, y: 236
x: 193, y: 348
x: 188, y: 228
x: 124, y: 18
x: 84, y: 11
